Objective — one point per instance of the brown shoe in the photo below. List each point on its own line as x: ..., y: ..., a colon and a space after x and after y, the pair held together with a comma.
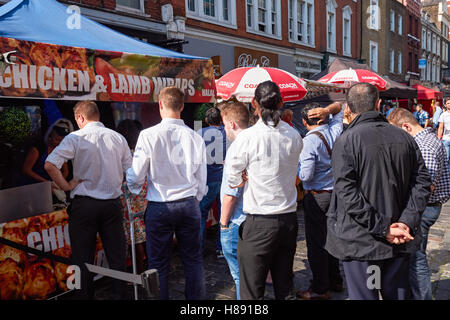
x: 311, y: 295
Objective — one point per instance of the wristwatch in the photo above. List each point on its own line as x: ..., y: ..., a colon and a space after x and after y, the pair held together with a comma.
x: 224, y: 226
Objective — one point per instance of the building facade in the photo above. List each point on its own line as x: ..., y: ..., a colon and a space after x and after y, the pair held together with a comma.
x: 384, y: 37
x: 299, y: 36
x: 412, y: 40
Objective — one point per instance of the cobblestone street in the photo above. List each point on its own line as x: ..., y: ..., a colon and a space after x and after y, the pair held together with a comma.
x: 220, y: 285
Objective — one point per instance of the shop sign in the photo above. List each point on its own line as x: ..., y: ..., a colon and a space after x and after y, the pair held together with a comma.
x: 244, y: 57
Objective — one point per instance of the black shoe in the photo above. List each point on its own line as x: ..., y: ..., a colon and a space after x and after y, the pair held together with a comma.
x: 338, y: 287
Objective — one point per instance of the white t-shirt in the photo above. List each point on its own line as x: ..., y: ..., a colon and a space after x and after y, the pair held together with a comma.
x: 445, y: 118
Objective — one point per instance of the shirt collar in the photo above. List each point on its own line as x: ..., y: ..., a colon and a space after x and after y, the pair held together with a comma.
x: 172, y: 120
x: 422, y: 133
x: 94, y: 124
x: 319, y: 128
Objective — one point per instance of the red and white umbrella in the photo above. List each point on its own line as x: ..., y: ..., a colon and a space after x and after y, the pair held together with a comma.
x: 242, y: 82
x: 355, y: 75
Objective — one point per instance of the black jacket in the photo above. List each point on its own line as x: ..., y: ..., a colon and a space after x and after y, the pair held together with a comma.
x: 379, y: 178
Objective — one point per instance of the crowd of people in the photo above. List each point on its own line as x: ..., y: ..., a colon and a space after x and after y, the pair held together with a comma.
x: 372, y: 186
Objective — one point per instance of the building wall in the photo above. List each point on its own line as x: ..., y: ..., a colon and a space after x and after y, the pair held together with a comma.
x: 412, y: 40
x: 395, y: 40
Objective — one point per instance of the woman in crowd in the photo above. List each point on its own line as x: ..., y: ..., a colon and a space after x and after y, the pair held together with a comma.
x: 130, y: 129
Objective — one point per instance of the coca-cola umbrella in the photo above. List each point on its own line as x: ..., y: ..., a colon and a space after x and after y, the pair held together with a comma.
x: 242, y: 82
x: 351, y: 76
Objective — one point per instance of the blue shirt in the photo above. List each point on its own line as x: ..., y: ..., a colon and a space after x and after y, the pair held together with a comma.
x: 216, y: 145
x: 315, y: 170
x: 421, y: 117
x: 389, y: 112
x: 436, y: 116
x: 238, y: 215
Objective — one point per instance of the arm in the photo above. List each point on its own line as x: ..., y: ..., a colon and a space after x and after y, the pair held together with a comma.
x: 349, y: 194
x: 228, y: 204
x: 30, y: 160
x: 308, y: 159
x: 65, y: 170
x: 202, y: 173
x: 323, y: 113
x: 237, y: 162
x: 140, y: 166
x: 419, y: 193
x: 58, y: 177
x: 440, y: 130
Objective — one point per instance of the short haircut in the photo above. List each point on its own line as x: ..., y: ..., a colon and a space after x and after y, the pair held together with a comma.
x: 306, y: 109
x: 399, y: 116
x: 172, y: 98
x: 88, y: 109
x: 288, y: 114
x: 213, y: 116
x: 236, y: 111
x: 362, y: 97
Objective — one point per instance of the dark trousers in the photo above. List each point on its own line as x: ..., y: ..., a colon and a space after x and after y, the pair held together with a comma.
x: 162, y: 220
x: 266, y: 243
x: 324, y: 267
x: 361, y: 277
x: 87, y: 217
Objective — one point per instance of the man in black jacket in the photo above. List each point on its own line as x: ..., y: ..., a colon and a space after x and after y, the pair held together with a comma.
x: 381, y: 188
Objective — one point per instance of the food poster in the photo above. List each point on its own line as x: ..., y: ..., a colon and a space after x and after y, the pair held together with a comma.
x: 59, y: 72
x: 29, y: 277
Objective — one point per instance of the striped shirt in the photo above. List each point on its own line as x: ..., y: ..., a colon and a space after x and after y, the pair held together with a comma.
x: 435, y: 157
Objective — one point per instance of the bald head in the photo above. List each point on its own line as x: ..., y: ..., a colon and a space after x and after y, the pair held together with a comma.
x: 362, y: 97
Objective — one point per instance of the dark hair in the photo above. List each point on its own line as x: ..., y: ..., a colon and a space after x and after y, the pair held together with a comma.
x: 213, y: 116
x: 268, y: 96
x: 130, y: 129
x: 362, y: 97
x: 306, y: 109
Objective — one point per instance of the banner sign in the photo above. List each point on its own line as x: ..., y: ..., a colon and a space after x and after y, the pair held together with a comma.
x: 29, y: 277
x: 70, y: 73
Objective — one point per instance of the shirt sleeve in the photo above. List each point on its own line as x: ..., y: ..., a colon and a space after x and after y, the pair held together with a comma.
x: 237, y: 161
x: 140, y: 166
x: 64, y: 152
x: 308, y: 160
x: 337, y: 124
x: 127, y: 159
x: 201, y: 173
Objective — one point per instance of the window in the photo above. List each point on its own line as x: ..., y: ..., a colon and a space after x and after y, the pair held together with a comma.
x: 391, y: 61
x: 263, y: 16
x: 438, y: 46
x: 428, y: 41
x: 374, y: 12
x: 433, y: 44
x: 392, y: 21
x: 331, y: 25
x: 424, y: 39
x: 301, y: 21
x: 399, y: 63
x: 400, y: 25
x: 222, y: 12
x: 134, y: 5
x: 374, y: 56
x: 346, y: 30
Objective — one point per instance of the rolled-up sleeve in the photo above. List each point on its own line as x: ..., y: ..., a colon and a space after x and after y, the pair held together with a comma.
x: 237, y: 161
x: 140, y: 166
x: 64, y: 152
x: 307, y: 160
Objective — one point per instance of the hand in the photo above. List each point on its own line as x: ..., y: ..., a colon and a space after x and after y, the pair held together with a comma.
x: 73, y: 184
x: 224, y: 223
x: 244, y: 180
x: 398, y: 234
x: 432, y: 187
x: 319, y: 113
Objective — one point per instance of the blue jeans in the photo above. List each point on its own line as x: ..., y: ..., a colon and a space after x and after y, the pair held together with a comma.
x: 162, y: 220
x: 229, y: 239
x: 446, y: 144
x: 419, y: 271
x: 205, y: 206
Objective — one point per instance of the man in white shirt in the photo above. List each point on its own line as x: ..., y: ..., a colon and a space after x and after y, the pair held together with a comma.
x: 173, y: 158
x: 444, y: 128
x: 269, y: 152
x: 100, y: 158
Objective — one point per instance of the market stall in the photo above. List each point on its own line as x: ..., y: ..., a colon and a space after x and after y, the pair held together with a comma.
x: 427, y: 97
x: 51, y: 58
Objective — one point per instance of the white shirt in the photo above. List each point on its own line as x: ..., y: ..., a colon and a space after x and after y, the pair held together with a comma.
x: 100, y: 157
x: 445, y: 118
x: 173, y: 158
x: 271, y: 156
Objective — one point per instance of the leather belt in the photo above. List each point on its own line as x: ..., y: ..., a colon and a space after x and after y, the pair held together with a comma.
x: 318, y: 191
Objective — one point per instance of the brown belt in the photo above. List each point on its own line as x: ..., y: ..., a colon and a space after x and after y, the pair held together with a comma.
x: 317, y: 191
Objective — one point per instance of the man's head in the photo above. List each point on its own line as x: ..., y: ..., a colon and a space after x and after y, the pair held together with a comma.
x: 447, y: 104
x: 405, y: 120
x: 85, y: 112
x: 287, y: 115
x: 235, y: 117
x: 437, y: 104
x: 212, y: 117
x: 419, y: 107
x: 310, y: 123
x: 171, y: 102
x: 363, y: 97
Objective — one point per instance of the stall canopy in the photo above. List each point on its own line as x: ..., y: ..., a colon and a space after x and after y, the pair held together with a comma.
x: 63, y: 55
x: 424, y: 93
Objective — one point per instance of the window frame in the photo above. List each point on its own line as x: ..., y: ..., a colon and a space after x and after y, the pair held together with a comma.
x: 392, y: 21
x: 199, y: 14
x: 307, y: 23
x: 254, y: 29
x: 392, y: 61
x: 400, y: 63
x: 331, y: 8
x: 347, y: 15
x: 400, y: 25
x: 374, y: 20
x: 124, y: 8
x: 375, y: 45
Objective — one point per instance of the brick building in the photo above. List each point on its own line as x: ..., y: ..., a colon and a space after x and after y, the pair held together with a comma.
x: 299, y: 36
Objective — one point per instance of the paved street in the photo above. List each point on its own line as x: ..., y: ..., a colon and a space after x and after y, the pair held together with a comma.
x: 220, y: 285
